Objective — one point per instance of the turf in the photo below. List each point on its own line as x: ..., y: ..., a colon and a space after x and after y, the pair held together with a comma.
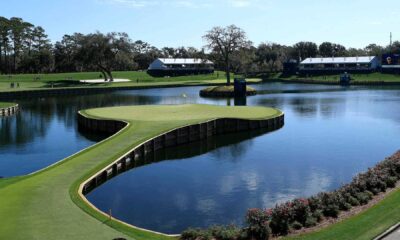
x: 6, y: 104
x: 366, y: 225
x: 46, y: 205
x: 71, y: 80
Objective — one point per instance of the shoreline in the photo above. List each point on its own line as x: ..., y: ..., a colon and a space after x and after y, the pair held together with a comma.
x: 9, y: 111
x: 170, y: 138
x: 327, y: 82
x: 46, y: 92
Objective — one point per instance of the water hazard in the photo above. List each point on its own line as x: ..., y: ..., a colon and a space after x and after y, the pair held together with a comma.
x: 330, y: 134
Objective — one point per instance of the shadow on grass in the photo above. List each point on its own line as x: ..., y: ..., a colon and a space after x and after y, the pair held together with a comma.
x: 69, y: 83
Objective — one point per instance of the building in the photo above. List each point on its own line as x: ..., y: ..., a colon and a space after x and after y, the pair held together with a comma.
x: 180, y: 66
x: 332, y: 65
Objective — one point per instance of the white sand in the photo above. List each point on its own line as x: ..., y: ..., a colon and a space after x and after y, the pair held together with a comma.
x: 102, y: 80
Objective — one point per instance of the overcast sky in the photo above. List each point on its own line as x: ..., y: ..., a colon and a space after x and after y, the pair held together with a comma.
x: 353, y: 23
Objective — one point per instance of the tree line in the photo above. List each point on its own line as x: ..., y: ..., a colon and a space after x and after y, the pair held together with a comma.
x: 26, y: 48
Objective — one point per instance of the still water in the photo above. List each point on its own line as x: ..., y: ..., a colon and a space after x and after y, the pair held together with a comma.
x: 330, y: 134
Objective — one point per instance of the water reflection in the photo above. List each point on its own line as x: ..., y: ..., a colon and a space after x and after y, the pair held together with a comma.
x: 330, y: 134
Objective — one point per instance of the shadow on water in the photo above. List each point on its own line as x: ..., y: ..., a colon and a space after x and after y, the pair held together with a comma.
x: 189, y: 150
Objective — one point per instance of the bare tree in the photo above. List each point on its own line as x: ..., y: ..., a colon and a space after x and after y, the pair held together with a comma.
x: 226, y: 41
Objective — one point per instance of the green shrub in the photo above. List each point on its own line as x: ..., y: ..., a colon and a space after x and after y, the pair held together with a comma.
x: 363, y: 197
x: 296, y: 225
x: 257, y: 221
x: 331, y: 210
x: 317, y: 214
x: 353, y: 201
x: 311, y: 222
x: 300, y: 210
x: 391, y: 181
x: 280, y: 219
x: 229, y: 232
x: 196, y: 234
x: 314, y: 203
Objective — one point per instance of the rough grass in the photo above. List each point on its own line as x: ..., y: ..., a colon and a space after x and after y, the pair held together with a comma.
x: 46, y: 205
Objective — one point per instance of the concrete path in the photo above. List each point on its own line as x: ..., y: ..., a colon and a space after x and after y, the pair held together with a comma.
x: 395, y: 235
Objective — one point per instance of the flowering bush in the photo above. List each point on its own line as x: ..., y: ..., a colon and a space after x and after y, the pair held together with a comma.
x: 300, y: 210
x: 281, y: 218
x: 308, y: 212
x: 257, y: 220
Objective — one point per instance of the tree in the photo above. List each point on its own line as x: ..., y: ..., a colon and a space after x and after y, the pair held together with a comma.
x: 328, y: 49
x: 105, y: 51
x: 225, y: 42
x: 19, y: 30
x: 144, y: 54
x: 242, y: 60
x: 374, y: 49
x: 270, y: 56
x: 305, y: 50
x: 66, y: 53
x: 4, y: 43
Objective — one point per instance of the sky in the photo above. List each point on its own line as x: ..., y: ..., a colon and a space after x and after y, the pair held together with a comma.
x: 174, y: 23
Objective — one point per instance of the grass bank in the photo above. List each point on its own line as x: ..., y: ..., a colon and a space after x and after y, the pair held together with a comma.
x: 6, y: 104
x: 366, y: 225
x: 357, y: 78
x: 46, y: 204
x: 138, y: 79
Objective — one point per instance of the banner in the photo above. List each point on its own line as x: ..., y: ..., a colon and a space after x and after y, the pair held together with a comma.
x: 391, y: 59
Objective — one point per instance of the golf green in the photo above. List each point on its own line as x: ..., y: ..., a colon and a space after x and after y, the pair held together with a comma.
x: 47, y: 204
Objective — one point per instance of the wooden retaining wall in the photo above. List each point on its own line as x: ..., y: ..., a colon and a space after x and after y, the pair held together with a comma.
x: 9, y: 110
x: 171, y: 138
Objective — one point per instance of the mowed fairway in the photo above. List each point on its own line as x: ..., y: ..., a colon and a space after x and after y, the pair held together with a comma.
x: 138, y: 79
x: 46, y: 205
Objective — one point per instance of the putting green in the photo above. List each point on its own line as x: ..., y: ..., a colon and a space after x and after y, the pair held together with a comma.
x: 46, y: 204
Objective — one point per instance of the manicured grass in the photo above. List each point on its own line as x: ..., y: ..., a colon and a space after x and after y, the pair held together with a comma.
x: 372, y: 77
x: 76, y: 76
x: 138, y: 79
x: 6, y: 104
x: 46, y: 205
x: 365, y: 225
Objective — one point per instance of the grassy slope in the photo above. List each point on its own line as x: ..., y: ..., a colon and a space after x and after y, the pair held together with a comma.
x: 365, y: 225
x: 6, y: 104
x: 43, y: 205
x: 378, y: 77
x: 69, y: 80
